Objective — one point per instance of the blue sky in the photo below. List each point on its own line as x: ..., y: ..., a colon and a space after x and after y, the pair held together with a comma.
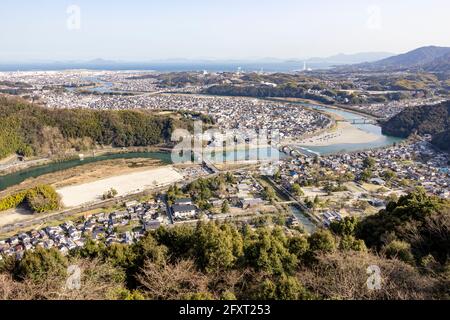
x: 231, y: 29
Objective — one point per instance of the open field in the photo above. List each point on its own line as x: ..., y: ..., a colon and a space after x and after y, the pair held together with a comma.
x: 124, y: 184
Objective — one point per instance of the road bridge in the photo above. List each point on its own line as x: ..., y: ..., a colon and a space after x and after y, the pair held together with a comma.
x: 358, y: 121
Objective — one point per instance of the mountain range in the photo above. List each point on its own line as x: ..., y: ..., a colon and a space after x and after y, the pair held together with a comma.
x: 430, y: 59
x: 361, y: 57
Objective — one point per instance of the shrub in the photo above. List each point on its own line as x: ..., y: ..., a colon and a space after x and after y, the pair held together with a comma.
x: 12, y: 201
x: 40, y: 199
x: 43, y: 198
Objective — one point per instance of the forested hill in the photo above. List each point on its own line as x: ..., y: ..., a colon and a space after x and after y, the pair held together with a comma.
x: 429, y: 58
x: 432, y: 120
x: 442, y: 140
x: 33, y: 130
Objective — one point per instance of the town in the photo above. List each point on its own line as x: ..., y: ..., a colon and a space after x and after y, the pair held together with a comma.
x: 324, y: 189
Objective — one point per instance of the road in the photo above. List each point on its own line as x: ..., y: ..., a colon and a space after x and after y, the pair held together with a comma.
x: 63, y: 214
x: 294, y: 200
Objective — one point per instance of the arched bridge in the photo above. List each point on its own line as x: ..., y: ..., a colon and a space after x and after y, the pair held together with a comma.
x: 358, y: 121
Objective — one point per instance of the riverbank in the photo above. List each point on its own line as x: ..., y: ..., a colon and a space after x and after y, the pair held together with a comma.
x: 343, y: 133
x: 85, y: 173
x: 12, y: 164
x: 339, y: 133
x: 124, y: 184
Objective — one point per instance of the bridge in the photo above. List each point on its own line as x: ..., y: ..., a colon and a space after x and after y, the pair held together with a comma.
x: 294, y: 151
x: 358, y: 121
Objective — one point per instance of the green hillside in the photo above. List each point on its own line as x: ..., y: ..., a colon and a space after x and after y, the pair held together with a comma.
x: 431, y: 120
x: 33, y: 130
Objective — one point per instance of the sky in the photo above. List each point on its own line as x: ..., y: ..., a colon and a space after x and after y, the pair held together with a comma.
x: 145, y: 30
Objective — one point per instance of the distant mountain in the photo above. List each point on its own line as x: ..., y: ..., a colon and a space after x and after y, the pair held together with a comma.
x: 429, y: 58
x: 441, y: 64
x: 100, y: 61
x: 352, y: 58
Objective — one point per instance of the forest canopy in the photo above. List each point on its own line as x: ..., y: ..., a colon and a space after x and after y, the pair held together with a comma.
x: 408, y: 242
x: 433, y: 120
x: 28, y: 129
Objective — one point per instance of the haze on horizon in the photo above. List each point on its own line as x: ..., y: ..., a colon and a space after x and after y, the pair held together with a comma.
x: 141, y: 30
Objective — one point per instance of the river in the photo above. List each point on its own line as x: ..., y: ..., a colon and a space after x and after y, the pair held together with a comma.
x: 236, y: 155
x: 381, y: 141
x: 306, y: 223
x: 34, y: 172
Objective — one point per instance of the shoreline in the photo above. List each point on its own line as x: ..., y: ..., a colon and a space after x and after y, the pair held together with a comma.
x: 33, y: 163
x: 337, y: 133
x: 344, y: 133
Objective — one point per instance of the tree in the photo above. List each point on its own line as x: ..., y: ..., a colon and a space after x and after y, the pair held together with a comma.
x: 369, y: 162
x: 176, y: 281
x: 277, y: 175
x: 229, y: 177
x: 198, y: 296
x: 269, y: 193
x: 225, y: 207
x: 215, y: 247
x: 298, y: 245
x: 349, y: 242
x: 148, y: 249
x: 29, y: 129
x: 40, y: 264
x: 392, y: 197
x: 346, y: 226
x: 388, y: 175
x: 316, y: 203
x: 289, y: 288
x: 43, y: 198
x: 110, y: 194
x: 348, y: 176
x: 269, y: 253
x: 267, y: 290
x: 366, y: 175
x: 12, y: 201
x: 400, y: 250
x: 297, y: 190
x: 322, y: 241
x: 316, y: 159
x: 228, y: 296
x: 282, y: 287
x: 361, y: 204
x: 309, y: 203
x: 416, y: 218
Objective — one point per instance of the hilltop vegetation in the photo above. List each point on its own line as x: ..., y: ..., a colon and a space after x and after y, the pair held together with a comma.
x: 41, y: 198
x: 408, y: 242
x: 433, y: 120
x: 33, y: 130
